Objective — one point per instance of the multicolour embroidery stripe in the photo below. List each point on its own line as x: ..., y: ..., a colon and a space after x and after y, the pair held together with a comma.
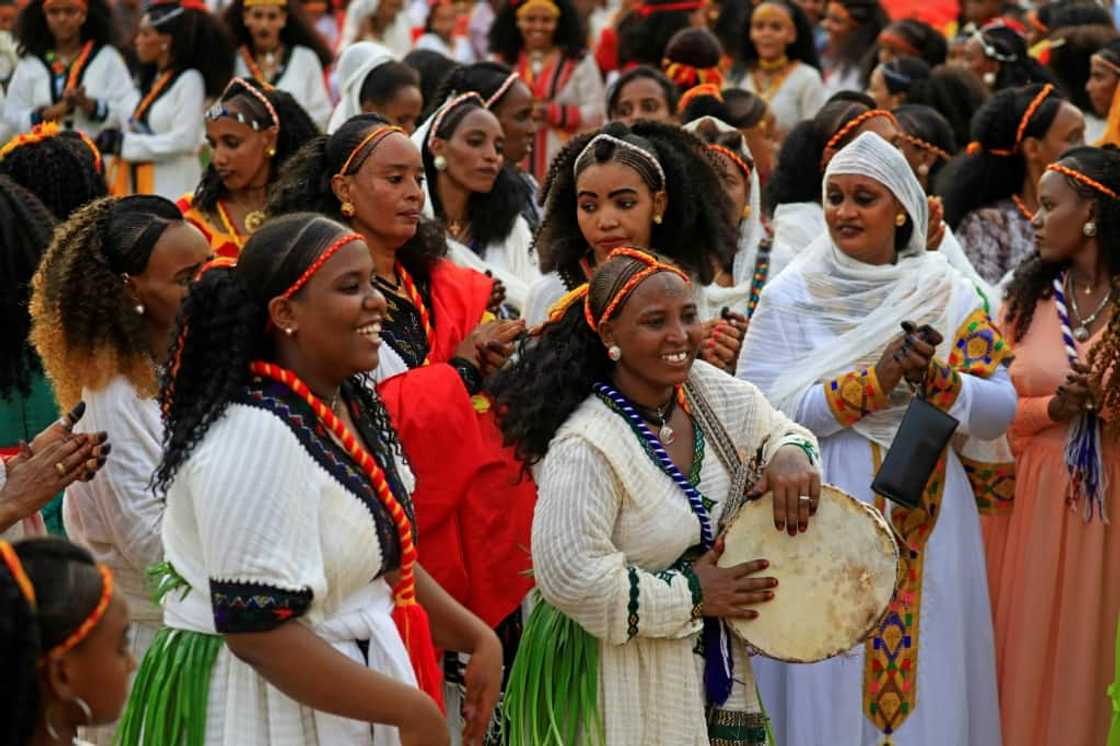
x: 854, y: 395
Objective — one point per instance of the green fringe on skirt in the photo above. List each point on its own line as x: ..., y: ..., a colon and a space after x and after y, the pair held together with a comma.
x: 167, y: 706
x: 552, y: 698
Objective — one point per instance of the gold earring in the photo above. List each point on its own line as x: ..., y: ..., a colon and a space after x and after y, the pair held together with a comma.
x: 900, y: 219
x: 746, y: 211
x: 347, y: 209
x: 271, y: 151
x: 657, y: 219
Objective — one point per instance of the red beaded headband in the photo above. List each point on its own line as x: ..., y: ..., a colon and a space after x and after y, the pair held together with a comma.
x: 652, y: 267
x: 90, y: 621
x: 1082, y: 178
x: 15, y: 567
x: 851, y: 126
x: 927, y: 146
x: 976, y: 147
x: 376, y: 135
x: 733, y: 156
x: 894, y: 41
x: 316, y: 265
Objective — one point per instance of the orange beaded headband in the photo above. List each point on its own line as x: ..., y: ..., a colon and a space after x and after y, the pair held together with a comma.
x: 90, y: 622
x: 376, y: 135
x: 215, y: 263
x: 15, y: 567
x: 1082, y: 178
x: 897, y: 43
x: 976, y: 147
x: 652, y: 267
x: 1101, y: 58
x: 706, y: 89
x: 444, y: 110
x: 927, y: 146
x: 851, y: 126
x: 688, y: 75
x: 316, y: 265
x: 732, y: 156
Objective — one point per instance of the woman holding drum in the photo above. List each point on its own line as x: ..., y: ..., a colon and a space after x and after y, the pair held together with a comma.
x: 636, y: 477
x: 824, y: 346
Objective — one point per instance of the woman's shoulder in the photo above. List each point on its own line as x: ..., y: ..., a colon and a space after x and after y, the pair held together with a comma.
x: 107, y: 54
x: 304, y: 57
x: 116, y: 402
x: 803, y: 73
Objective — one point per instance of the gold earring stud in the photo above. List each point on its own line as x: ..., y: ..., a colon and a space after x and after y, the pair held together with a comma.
x: 271, y: 152
x: 900, y: 219
x: 347, y: 209
x: 657, y: 219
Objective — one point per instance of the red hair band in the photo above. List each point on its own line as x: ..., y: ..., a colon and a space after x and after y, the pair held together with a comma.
x: 1082, y: 178
x: 645, y: 10
x: 89, y: 622
x: 706, y: 89
x: 732, y: 156
x: 15, y: 567
x: 975, y: 147
x: 927, y: 146
x: 376, y: 135
x: 316, y: 265
x: 653, y: 266
x: 896, y: 42
x: 851, y: 126
x: 687, y: 75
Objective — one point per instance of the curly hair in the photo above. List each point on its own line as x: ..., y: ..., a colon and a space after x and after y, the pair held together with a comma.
x: 928, y: 42
x: 642, y: 38
x: 978, y: 179
x: 297, y: 31
x: 1070, y: 50
x: 34, y: 36
x: 222, y: 327
x: 803, y: 48
x: 505, y: 37
x: 305, y: 184
x: 553, y: 372
x: 199, y: 41
x: 82, y: 320
x: 61, y: 171
x: 955, y: 92
x: 929, y: 126
x: 642, y: 72
x: 295, y: 125
x: 694, y: 232
x: 1033, y: 279
x: 25, y: 233
x: 491, y: 215
x: 1021, y: 68
x: 859, y: 46
x: 67, y: 587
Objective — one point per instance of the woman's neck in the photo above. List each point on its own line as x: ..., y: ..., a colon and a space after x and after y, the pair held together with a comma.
x: 68, y: 48
x: 275, y: 49
x: 324, y: 386
x: 453, y: 198
x: 1029, y: 192
x: 1089, y: 270
x: 159, y: 341
x: 641, y: 392
x: 163, y: 62
x: 251, y: 197
x: 65, y: 733
x: 384, y: 256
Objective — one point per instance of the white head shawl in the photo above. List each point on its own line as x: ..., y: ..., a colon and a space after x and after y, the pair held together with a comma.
x: 353, y: 67
x: 397, y: 38
x: 827, y: 313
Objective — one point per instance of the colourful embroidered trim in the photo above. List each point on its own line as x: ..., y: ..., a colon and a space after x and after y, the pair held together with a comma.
x: 417, y: 301
x: 854, y: 395
x: 695, y: 590
x: 632, y: 606
x: 90, y: 621
x: 153, y: 93
x: 254, y: 607
x: 993, y: 485
x: 736, y: 728
x: 15, y: 567
x: 942, y: 385
x: 761, y: 274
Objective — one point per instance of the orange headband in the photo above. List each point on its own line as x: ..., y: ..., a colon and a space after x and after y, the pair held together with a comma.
x: 652, y: 267
x: 1099, y: 57
x: 375, y: 136
x: 80, y: 3
x: 927, y: 146
x: 15, y: 567
x: 92, y: 148
x: 851, y: 126
x: 733, y: 156
x: 894, y: 41
x: 548, y: 5
x: 38, y: 133
x: 215, y: 263
x: 1082, y: 178
x: 316, y: 265
x: 707, y: 89
x: 90, y: 622
x: 975, y: 148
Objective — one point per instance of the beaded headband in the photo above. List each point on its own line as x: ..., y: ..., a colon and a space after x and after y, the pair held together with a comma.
x: 217, y: 262
x: 629, y: 148
x: 851, y: 126
x: 38, y: 133
x: 732, y: 156
x: 645, y: 10
x: 1101, y: 58
x: 975, y: 147
x: 444, y: 110
x: 1083, y: 179
x: 706, y: 89
x: 897, y: 77
x: 15, y: 567
x: 653, y: 266
x: 174, y: 8
x: 219, y: 110
x: 316, y: 265
x: 375, y: 136
x: 528, y: 5
x: 990, y: 51
x: 897, y: 43
x: 91, y: 621
x: 927, y: 146
x: 502, y: 90
x: 688, y: 75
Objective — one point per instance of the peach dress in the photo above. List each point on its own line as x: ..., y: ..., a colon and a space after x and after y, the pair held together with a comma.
x: 1055, y: 579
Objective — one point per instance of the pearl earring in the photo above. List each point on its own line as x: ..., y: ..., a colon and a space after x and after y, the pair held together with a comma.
x: 440, y: 163
x: 1089, y: 229
x: 289, y: 331
x: 139, y: 307
x: 271, y: 152
x: 614, y: 353
x: 923, y: 170
x: 989, y: 79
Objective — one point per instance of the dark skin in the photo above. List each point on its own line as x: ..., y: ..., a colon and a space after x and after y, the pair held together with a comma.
x: 334, y: 323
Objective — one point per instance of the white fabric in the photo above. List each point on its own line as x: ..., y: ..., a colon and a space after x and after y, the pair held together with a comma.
x: 397, y: 38
x: 354, y: 65
x: 603, y: 507
x: 584, y: 89
x: 542, y: 295
x: 303, y: 78
x: 251, y: 504
x: 106, y: 79
x: 9, y: 58
x: 461, y: 52
x: 177, y: 130
x: 800, y: 96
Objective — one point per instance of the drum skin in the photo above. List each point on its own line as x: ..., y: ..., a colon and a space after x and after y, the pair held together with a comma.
x: 835, y: 581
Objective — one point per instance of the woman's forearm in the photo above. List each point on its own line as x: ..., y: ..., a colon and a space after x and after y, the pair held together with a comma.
x: 454, y: 627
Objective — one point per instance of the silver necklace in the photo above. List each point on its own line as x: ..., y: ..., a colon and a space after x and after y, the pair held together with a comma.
x: 1081, y: 331
x: 660, y: 415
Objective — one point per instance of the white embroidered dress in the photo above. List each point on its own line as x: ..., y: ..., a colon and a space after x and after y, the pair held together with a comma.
x: 608, y: 517
x: 303, y: 78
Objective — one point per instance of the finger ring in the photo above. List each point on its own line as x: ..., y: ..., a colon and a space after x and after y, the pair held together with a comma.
x: 806, y: 498
x: 60, y: 469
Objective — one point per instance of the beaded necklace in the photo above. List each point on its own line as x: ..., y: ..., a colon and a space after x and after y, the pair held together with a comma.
x: 1022, y: 207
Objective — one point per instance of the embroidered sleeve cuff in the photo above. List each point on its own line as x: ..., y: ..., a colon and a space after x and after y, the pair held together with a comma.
x: 807, y: 446
x: 993, y: 484
x: 942, y: 386
x: 254, y: 607
x: 854, y: 395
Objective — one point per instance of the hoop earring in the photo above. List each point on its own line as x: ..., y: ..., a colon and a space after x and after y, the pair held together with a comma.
x: 50, y: 727
x: 614, y: 352
x: 440, y: 163
x: 85, y: 708
x: 347, y: 209
x: 1089, y: 229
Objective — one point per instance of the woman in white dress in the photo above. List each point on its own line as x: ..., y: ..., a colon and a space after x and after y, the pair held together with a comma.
x: 289, y: 515
x: 70, y: 72
x: 439, y: 33
x: 633, y: 488
x: 372, y: 81
x: 186, y: 58
x: 853, y: 26
x: 476, y: 196
x: 278, y: 47
x: 103, y: 314
x: 825, y: 347
x: 377, y: 20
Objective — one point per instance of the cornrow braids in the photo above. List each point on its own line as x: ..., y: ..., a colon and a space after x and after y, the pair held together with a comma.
x: 61, y: 171
x: 82, y: 321
x: 25, y: 233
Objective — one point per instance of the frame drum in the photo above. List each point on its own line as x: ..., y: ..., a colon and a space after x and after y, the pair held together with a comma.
x: 835, y: 581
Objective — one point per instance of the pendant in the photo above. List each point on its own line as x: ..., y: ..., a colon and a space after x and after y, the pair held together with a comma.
x: 1081, y: 334
x: 254, y: 220
x: 666, y: 434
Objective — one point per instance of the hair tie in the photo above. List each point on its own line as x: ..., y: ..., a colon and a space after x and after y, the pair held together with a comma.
x: 733, y: 156
x: 375, y: 136
x: 704, y: 89
x: 898, y: 44
x: 322, y: 259
x: 15, y: 567
x: 89, y: 622
x: 851, y: 126
x: 930, y: 147
x: 630, y: 148
x: 685, y: 75
x: 502, y: 90
x: 1083, y: 179
x: 647, y: 9
x: 444, y: 110
x: 653, y: 266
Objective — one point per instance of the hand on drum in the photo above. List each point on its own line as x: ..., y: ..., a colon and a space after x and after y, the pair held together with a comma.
x: 796, y: 485
x: 728, y: 591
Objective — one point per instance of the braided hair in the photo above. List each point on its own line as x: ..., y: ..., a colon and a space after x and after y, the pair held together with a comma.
x: 955, y: 92
x: 295, y: 125
x: 668, y: 87
x: 67, y: 587
x: 305, y: 185
x: 61, y: 171
x: 34, y: 36
x: 1034, y: 278
x: 553, y: 372
x: 297, y: 30
x: 222, y: 327
x: 25, y: 233
x: 505, y: 36
x: 975, y: 180
x: 693, y: 231
x: 803, y: 48
x: 82, y: 320
x: 929, y: 126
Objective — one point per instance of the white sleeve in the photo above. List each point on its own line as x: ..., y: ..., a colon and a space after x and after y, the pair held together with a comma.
x: 590, y: 93
x: 985, y: 407
x: 20, y: 101
x: 121, y: 97
x: 812, y: 96
x: 188, y: 97
x: 316, y: 99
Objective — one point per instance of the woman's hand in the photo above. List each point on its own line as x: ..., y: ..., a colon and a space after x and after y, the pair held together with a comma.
x: 935, y: 229
x: 483, y: 681
x: 907, y: 357
x: 1074, y: 397
x: 728, y: 591
x: 32, y: 479
x: 54, y: 112
x: 723, y: 339
x: 796, y: 486
x: 489, y: 345
x: 497, y: 295
x: 423, y: 724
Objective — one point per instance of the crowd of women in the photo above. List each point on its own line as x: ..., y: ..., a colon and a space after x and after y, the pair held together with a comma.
x: 388, y: 373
